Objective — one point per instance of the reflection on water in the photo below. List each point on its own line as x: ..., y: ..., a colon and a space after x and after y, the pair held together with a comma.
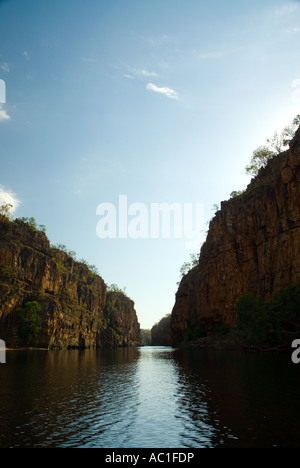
x: 243, y: 399
x: 148, y: 397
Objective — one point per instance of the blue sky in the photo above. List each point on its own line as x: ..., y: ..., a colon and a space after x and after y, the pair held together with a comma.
x: 162, y: 101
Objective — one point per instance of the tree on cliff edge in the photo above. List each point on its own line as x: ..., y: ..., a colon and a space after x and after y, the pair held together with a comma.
x: 275, y: 145
x: 5, y: 212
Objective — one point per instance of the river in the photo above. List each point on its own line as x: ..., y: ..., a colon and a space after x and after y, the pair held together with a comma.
x: 151, y: 397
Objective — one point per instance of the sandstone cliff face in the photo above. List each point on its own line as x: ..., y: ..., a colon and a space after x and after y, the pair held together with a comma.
x: 253, y: 245
x: 123, y: 328
x: 72, y: 298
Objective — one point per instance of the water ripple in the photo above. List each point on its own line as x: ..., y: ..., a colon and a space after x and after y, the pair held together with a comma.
x: 147, y: 397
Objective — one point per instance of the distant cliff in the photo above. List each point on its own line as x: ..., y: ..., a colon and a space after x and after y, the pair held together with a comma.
x: 72, y: 299
x: 161, y: 332
x: 253, y: 245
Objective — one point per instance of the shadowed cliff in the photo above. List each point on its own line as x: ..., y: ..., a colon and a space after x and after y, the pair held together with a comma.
x: 161, y: 332
x: 253, y: 245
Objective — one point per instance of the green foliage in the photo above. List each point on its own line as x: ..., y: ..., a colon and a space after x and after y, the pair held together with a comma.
x: 113, y: 303
x: 93, y: 269
x: 187, y: 266
x: 115, y: 334
x: 32, y: 223
x: 192, y: 333
x: 115, y: 288
x: 64, y: 248
x: 265, y: 324
x: 260, y: 159
x: 112, y: 307
x: 216, y: 207
x: 30, y: 323
x: 5, y: 212
x: 286, y: 310
x: 252, y: 319
x: 13, y: 338
x: 64, y: 262
x: 287, y: 134
x: 146, y: 337
x: 275, y: 145
x: 61, y: 262
x: 236, y: 193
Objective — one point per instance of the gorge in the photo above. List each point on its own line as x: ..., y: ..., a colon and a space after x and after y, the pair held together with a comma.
x: 50, y: 300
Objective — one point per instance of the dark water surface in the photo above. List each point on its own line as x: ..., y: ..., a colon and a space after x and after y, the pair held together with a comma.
x: 149, y: 398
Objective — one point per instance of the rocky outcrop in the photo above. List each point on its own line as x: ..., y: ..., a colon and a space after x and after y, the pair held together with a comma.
x: 72, y: 298
x: 161, y: 332
x: 122, y: 327
x: 253, y: 245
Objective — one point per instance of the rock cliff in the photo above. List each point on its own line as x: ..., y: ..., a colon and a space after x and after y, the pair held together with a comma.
x: 161, y: 332
x: 72, y: 298
x: 253, y: 245
x: 123, y: 328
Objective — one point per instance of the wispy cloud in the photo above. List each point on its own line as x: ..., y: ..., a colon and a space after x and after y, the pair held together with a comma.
x: 3, y: 114
x: 5, y: 67
x: 8, y: 196
x: 26, y: 55
x: 168, y: 92
x: 145, y: 73
x: 128, y: 77
x: 139, y: 73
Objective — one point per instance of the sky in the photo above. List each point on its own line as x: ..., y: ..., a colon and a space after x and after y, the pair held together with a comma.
x: 151, y: 101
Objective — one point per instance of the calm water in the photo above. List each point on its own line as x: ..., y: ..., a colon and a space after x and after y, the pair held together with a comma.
x: 149, y: 398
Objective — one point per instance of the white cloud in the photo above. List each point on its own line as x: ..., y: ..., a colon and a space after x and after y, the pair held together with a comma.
x: 5, y: 67
x: 26, y: 55
x: 7, y: 196
x: 128, y: 77
x: 142, y: 72
x: 168, y: 92
x: 3, y: 114
x: 296, y: 92
x: 139, y: 73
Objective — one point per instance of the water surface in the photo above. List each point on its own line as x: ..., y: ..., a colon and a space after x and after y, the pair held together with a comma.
x: 152, y: 397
